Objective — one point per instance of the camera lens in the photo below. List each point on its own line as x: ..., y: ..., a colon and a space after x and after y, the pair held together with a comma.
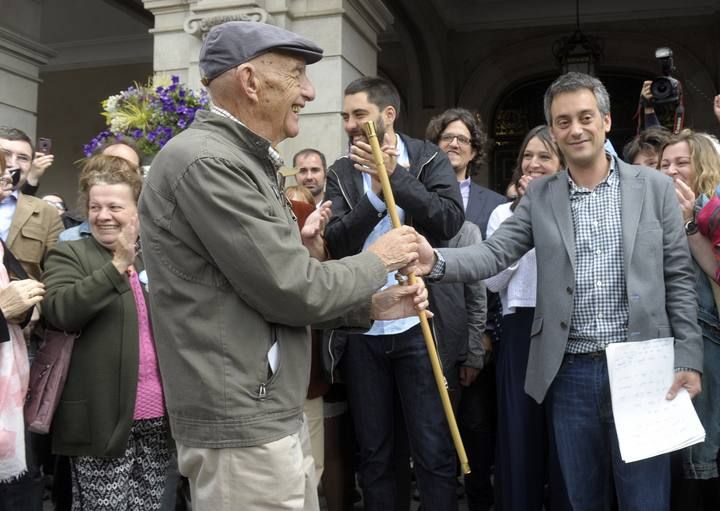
x: 665, y: 89
x: 660, y: 88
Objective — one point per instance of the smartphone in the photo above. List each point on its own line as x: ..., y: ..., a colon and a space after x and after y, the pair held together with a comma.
x: 44, y: 145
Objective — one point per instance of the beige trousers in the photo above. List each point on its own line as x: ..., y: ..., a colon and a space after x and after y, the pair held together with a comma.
x: 279, y: 475
x: 316, y: 426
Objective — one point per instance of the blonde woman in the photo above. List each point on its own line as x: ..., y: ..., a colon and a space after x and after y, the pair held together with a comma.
x: 692, y: 160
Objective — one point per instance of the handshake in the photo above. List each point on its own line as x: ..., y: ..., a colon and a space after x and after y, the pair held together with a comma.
x: 405, y: 250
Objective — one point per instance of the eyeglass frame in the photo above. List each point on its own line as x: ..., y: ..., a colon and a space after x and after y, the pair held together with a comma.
x: 461, y: 139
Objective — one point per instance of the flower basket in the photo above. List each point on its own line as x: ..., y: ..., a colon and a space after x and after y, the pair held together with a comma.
x: 149, y: 114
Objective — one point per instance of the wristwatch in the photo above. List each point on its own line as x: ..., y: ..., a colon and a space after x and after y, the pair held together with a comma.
x: 691, y: 227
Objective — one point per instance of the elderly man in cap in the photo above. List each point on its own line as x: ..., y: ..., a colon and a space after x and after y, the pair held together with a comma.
x: 231, y: 285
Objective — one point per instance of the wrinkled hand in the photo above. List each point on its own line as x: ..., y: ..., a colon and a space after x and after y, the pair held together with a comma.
x: 468, y: 375
x: 125, y: 248
x: 361, y: 154
x: 39, y: 165
x: 689, y: 380
x: 312, y: 231
x: 716, y: 107
x: 400, y: 301
x: 397, y: 248
x: 686, y: 199
x: 19, y: 296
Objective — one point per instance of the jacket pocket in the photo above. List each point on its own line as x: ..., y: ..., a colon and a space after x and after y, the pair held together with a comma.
x: 536, y: 327
x: 29, y: 245
x: 72, y: 422
x: 274, y: 353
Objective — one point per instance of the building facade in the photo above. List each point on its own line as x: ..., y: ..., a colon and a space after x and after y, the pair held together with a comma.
x: 60, y: 58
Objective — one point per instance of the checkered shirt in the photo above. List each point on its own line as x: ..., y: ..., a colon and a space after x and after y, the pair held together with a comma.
x: 600, y: 314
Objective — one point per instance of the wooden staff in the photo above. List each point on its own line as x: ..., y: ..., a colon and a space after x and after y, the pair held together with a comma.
x: 369, y: 129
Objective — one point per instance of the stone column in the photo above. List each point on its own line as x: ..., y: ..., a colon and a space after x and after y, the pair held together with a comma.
x: 20, y: 60
x: 346, y: 29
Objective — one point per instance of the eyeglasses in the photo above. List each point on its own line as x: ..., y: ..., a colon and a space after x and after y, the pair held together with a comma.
x: 449, y: 137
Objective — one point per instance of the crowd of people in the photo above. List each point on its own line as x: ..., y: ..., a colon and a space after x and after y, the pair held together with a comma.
x: 242, y: 344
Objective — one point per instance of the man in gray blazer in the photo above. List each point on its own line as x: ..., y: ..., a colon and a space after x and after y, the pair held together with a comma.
x: 613, y: 265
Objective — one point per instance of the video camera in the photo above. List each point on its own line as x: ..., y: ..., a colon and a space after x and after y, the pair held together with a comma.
x: 665, y: 89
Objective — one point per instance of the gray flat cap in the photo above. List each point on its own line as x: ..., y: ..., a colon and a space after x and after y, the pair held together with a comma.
x: 235, y: 42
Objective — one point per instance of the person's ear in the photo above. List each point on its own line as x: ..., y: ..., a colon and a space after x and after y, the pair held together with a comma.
x: 389, y: 115
x: 248, y: 80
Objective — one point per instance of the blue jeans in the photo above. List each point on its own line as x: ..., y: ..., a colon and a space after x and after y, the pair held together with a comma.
x: 581, y: 414
x: 700, y: 460
x: 377, y: 369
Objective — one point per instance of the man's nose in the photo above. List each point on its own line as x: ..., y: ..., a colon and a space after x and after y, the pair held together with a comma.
x: 308, y: 90
x: 576, y: 128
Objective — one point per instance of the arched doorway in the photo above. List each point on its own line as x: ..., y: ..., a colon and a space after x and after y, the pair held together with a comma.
x: 521, y: 108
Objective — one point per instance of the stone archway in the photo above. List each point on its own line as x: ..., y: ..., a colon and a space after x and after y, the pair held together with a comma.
x: 629, y: 58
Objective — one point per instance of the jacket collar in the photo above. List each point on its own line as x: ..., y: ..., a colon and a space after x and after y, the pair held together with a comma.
x: 632, y: 195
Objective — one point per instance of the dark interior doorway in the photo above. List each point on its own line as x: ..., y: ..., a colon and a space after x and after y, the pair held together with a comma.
x: 521, y: 108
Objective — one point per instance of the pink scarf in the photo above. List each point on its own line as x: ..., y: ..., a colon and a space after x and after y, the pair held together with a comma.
x: 14, y: 375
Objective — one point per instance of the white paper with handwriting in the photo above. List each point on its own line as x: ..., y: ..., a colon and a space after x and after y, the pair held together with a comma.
x: 648, y: 424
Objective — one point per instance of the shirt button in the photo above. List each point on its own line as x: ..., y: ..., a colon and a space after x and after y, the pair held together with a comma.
x: 598, y: 283
x: 596, y: 223
x: 600, y: 315
x: 598, y: 251
x: 563, y: 325
x: 569, y: 290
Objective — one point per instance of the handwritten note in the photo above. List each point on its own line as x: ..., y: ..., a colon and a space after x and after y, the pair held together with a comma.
x: 648, y: 424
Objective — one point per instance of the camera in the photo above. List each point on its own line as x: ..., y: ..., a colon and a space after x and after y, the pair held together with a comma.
x: 665, y: 88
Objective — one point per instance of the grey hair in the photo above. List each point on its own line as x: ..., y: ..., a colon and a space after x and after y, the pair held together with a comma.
x: 571, y: 82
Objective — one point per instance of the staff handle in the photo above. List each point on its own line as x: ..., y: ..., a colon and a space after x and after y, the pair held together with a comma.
x: 371, y: 133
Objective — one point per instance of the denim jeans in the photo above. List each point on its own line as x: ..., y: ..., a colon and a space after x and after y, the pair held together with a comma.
x: 377, y: 368
x: 700, y: 460
x: 581, y: 414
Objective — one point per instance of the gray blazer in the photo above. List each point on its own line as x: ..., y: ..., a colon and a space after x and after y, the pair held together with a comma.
x: 658, y: 267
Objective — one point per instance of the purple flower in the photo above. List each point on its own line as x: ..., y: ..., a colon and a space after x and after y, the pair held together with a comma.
x: 166, y: 112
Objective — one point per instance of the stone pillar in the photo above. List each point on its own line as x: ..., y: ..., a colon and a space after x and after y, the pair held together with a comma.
x: 20, y: 61
x: 346, y: 29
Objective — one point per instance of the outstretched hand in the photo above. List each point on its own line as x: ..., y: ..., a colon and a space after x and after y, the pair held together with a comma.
x: 426, y: 259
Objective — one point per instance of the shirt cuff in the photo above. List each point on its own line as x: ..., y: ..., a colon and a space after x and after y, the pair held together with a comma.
x: 438, y: 270
x: 376, y: 201
x: 686, y: 370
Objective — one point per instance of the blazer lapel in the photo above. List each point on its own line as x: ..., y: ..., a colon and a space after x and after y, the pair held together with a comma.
x: 561, y: 209
x: 23, y: 212
x: 632, y: 193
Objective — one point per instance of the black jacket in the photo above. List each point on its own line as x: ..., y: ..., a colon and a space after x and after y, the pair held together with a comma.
x: 427, y: 192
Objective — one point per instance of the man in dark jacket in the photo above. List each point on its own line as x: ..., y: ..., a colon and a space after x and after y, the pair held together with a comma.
x: 390, y: 361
